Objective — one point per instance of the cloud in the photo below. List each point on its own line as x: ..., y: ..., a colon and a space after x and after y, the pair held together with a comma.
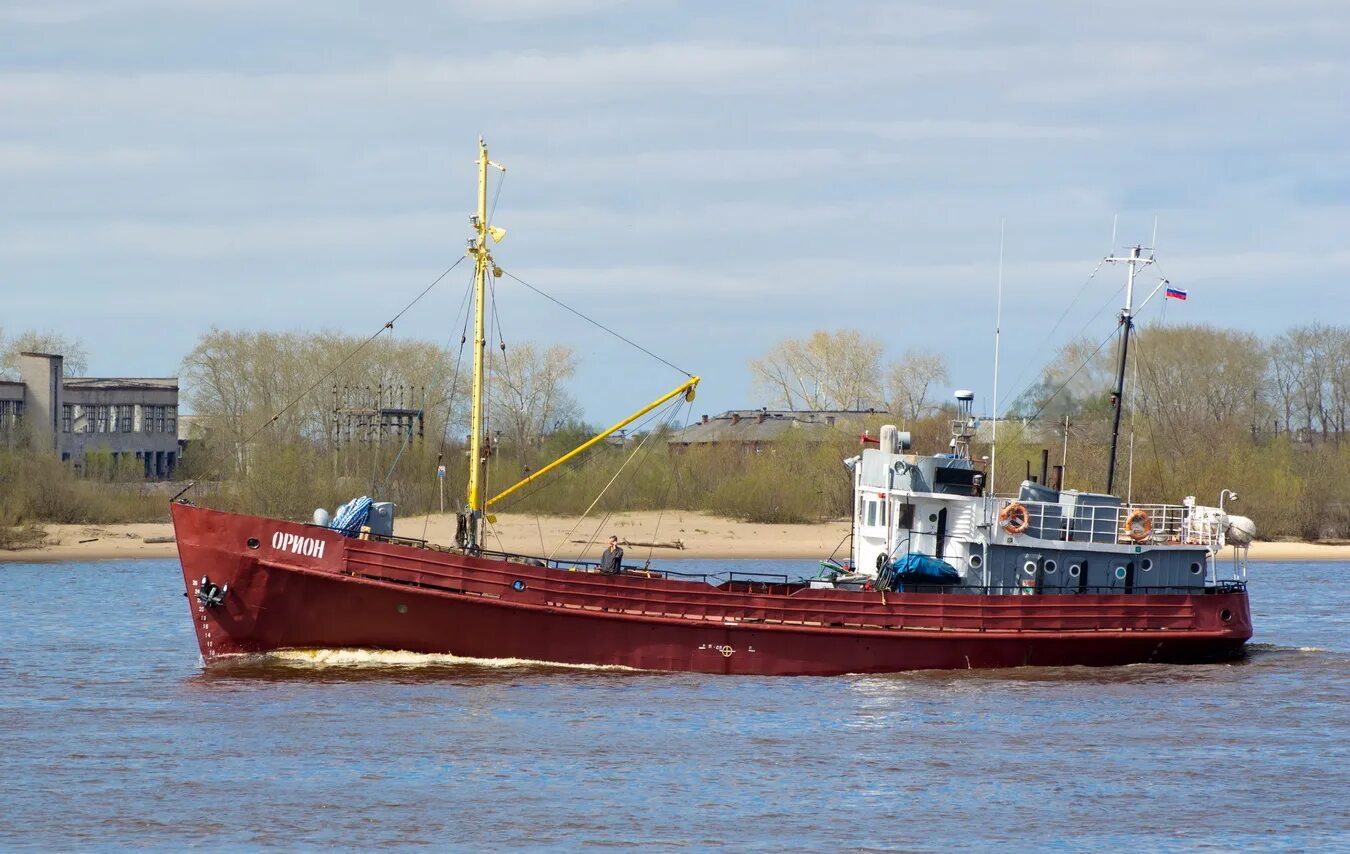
x: 929, y: 130
x: 717, y: 176
x: 500, y: 11
x: 27, y: 158
x: 719, y: 165
x: 530, y: 74
x: 903, y: 21
x: 1167, y: 76
x: 215, y: 240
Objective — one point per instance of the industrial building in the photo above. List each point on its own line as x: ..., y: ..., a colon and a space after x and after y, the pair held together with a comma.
x: 756, y: 429
x: 128, y: 423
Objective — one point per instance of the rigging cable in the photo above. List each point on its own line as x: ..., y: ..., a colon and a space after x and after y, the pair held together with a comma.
x: 379, y: 419
x: 407, y: 440
x: 1086, y: 362
x: 570, y: 471
x: 1089, y: 322
x: 666, y: 497
x: 673, y: 411
x: 389, y: 324
x: 604, y: 490
x: 595, y: 323
x: 1049, y: 336
x: 494, y: 331
x: 1152, y: 437
x: 492, y: 211
x: 449, y: 399
x: 1134, y: 390
x: 519, y: 427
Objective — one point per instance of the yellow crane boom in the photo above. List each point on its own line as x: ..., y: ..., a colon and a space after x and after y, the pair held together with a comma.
x: 685, y: 388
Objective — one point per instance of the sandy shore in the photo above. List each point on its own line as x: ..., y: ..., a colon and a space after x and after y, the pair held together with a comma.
x: 98, y: 542
x: 701, y: 535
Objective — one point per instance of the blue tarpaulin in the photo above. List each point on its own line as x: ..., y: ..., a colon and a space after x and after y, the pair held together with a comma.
x: 351, y: 516
x: 914, y: 568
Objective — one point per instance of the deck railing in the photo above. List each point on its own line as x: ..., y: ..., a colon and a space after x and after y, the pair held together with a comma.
x: 658, y: 595
x: 1151, y: 524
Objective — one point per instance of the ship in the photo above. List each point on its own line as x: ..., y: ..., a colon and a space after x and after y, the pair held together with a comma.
x: 943, y: 572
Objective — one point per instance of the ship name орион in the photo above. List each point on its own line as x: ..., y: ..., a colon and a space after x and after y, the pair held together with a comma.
x: 307, y: 546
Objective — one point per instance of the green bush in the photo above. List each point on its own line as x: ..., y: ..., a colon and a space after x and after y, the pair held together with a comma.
x: 1291, y: 489
x: 37, y: 487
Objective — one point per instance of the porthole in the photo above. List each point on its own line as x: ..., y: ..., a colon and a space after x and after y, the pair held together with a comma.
x: 1050, y: 567
x: 932, y: 517
x: 1226, y: 615
x: 976, y: 561
x: 1029, y: 567
x: 1146, y: 564
x: 1075, y: 570
x: 1196, y: 568
x: 1121, y: 572
x: 517, y: 585
x: 253, y: 542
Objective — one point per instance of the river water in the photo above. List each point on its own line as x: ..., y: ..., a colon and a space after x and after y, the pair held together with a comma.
x: 113, y: 736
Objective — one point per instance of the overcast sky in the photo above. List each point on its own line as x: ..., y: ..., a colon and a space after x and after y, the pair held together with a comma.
x: 709, y: 178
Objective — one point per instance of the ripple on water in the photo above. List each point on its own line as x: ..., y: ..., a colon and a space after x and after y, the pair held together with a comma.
x: 112, y: 734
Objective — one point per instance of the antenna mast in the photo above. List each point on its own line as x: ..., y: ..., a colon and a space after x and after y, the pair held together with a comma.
x: 1134, y: 262
x: 998, y: 328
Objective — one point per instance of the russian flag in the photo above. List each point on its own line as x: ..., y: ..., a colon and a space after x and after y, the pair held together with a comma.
x: 1176, y: 293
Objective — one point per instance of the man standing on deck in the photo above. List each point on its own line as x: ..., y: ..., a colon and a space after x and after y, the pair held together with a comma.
x: 612, y: 560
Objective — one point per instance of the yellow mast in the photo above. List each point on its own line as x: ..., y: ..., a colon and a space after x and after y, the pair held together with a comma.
x: 483, y: 266
x: 478, y: 250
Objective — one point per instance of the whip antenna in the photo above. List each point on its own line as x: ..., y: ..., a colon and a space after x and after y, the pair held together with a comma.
x: 998, y: 323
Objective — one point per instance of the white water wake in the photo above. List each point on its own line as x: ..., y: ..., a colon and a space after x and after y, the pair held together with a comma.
x: 377, y: 658
x: 1273, y: 647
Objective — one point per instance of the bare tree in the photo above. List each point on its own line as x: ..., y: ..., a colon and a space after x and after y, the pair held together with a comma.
x: 242, y: 382
x: 1282, y: 385
x: 529, y: 396
x: 1193, y: 376
x: 909, y: 381
x: 1076, y: 381
x: 1340, y: 378
x: 76, y: 361
x: 1311, y: 372
x: 827, y: 370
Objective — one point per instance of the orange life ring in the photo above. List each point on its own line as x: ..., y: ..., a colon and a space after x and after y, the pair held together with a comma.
x: 1015, y: 518
x: 1138, y: 526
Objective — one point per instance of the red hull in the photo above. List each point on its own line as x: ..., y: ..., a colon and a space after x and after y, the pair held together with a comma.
x: 293, y: 586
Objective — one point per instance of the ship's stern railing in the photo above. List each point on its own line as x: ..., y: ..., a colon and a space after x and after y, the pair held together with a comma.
x: 1140, y: 524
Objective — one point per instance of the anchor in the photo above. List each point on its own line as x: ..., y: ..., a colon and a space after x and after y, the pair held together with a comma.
x: 209, y: 593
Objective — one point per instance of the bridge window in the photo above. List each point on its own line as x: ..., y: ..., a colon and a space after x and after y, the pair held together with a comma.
x: 906, y: 516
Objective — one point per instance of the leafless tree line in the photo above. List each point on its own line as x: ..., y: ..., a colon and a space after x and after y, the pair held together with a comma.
x: 265, y: 386
x: 844, y: 370
x: 1192, y: 377
x: 1308, y: 380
